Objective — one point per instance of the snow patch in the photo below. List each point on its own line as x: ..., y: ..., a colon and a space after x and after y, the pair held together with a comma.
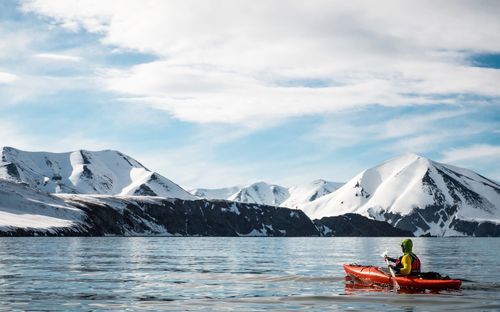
x: 23, y: 207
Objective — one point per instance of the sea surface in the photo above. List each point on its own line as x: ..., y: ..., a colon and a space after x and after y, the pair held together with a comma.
x: 227, y: 274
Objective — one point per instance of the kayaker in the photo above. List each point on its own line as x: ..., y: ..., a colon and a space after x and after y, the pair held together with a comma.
x: 408, y: 263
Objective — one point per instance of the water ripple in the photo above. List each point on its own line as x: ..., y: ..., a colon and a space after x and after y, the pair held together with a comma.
x: 227, y: 274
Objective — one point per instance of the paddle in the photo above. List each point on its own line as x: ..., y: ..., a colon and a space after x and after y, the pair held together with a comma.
x: 394, y: 282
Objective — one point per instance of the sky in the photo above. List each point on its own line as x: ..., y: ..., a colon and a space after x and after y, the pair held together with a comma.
x: 221, y: 93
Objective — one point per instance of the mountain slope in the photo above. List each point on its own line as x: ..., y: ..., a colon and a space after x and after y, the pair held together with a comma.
x: 24, y: 208
x: 85, y: 172
x: 309, y: 192
x: 416, y: 194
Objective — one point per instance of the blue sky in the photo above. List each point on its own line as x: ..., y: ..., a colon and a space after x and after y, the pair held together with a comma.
x: 220, y: 93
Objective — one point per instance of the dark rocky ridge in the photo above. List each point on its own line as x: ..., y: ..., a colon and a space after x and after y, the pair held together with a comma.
x: 352, y: 224
x: 145, y: 215
x: 478, y: 229
x: 136, y: 215
x: 195, y: 218
x: 444, y: 215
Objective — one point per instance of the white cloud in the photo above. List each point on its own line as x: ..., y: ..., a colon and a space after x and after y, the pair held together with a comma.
x: 478, y: 152
x: 223, y: 61
x: 26, y: 73
x: 406, y: 132
x: 58, y: 57
x: 195, y: 94
x: 15, y: 42
x: 250, y: 63
x: 6, y: 78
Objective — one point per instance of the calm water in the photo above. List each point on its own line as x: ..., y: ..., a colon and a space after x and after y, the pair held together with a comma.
x: 248, y: 274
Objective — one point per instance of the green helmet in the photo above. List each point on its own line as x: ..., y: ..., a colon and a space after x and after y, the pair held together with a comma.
x: 407, y: 245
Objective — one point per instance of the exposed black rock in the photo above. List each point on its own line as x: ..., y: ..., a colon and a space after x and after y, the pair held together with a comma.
x: 313, y: 197
x: 154, y: 177
x: 12, y: 170
x: 474, y: 228
x: 456, y: 188
x: 356, y: 225
x: 85, y: 157
x: 126, y: 159
x: 418, y: 219
x: 106, y: 182
x: 48, y: 162
x: 161, y: 216
x: 86, y: 172
x: 145, y: 190
x: 432, y: 189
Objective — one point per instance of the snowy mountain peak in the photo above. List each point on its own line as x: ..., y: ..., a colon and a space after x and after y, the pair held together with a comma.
x: 261, y: 193
x: 414, y: 193
x: 85, y: 172
x: 399, y: 170
x: 219, y: 193
x: 309, y: 192
x: 271, y: 194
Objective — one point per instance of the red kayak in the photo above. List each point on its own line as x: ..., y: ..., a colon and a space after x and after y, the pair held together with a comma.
x: 374, y: 275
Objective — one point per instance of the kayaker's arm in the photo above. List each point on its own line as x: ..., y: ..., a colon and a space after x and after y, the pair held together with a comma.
x: 406, y: 265
x: 391, y: 259
x: 394, y: 268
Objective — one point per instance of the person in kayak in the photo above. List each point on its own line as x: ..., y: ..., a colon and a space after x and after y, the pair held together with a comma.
x: 408, y: 263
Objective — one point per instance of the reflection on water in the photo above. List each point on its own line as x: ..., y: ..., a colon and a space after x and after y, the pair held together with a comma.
x: 250, y: 274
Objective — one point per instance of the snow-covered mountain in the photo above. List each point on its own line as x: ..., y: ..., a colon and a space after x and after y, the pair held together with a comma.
x: 271, y: 194
x: 220, y: 193
x: 93, y: 198
x: 416, y: 194
x: 261, y: 193
x: 85, y: 172
x: 309, y: 192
